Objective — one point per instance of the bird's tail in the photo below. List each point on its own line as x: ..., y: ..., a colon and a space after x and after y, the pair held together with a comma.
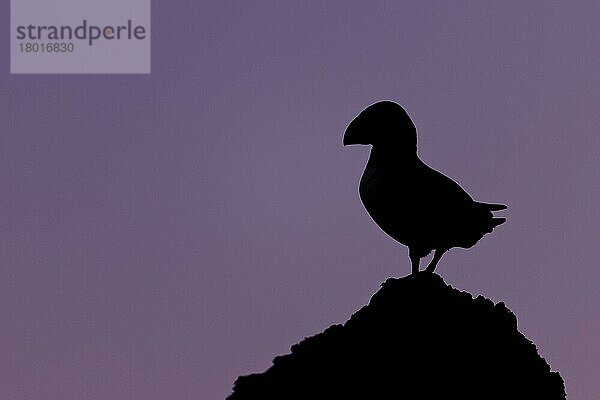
x: 491, y: 206
x: 494, y: 222
x: 497, y: 221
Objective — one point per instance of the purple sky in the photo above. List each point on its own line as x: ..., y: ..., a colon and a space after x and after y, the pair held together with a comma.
x: 161, y: 235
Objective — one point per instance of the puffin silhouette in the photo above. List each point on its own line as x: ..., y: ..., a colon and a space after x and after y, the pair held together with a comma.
x: 411, y: 202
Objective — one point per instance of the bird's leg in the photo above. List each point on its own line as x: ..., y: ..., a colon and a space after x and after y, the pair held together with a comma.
x: 414, y: 261
x: 434, y: 261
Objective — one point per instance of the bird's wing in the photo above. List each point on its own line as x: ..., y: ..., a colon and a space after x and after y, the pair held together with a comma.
x: 432, y: 205
x: 444, y: 189
x: 456, y: 195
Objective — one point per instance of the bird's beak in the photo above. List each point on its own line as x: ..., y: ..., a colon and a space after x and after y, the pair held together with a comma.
x: 355, y: 132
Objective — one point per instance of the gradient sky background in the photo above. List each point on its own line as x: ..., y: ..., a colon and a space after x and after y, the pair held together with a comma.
x: 161, y: 235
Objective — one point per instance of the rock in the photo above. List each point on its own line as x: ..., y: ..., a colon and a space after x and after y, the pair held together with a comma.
x: 417, y: 339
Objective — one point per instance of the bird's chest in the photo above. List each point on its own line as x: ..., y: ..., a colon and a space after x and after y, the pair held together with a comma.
x: 370, y: 182
x: 389, y: 203
x: 383, y: 193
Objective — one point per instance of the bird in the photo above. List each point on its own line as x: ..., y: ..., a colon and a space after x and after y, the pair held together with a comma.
x: 411, y: 202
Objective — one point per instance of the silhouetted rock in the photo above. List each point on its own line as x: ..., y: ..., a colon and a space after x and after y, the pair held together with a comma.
x: 417, y: 339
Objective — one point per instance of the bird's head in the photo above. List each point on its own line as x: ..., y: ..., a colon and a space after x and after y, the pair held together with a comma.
x: 383, y: 123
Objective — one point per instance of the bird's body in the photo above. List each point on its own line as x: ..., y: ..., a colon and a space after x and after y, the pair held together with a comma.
x: 411, y: 202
